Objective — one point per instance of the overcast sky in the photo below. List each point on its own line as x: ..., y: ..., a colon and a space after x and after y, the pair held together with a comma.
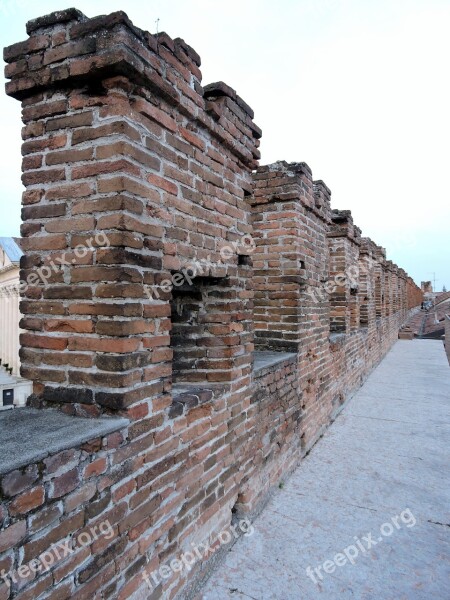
x: 358, y: 89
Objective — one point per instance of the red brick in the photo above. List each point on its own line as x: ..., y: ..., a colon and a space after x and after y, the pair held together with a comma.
x: 44, y: 517
x: 27, y: 501
x: 64, y: 484
x: 163, y: 184
x: 104, y: 345
x: 12, y: 535
x: 76, y: 190
x: 40, y: 341
x: 71, y: 325
x: 69, y: 121
x: 48, y: 242
x: 68, y: 156
x: 15, y: 482
x: 50, y: 143
x: 34, y: 548
x: 80, y: 496
x: 42, y: 176
x: 95, y: 468
x: 71, y: 225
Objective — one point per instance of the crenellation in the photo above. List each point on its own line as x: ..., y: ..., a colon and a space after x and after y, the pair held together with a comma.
x: 222, y: 308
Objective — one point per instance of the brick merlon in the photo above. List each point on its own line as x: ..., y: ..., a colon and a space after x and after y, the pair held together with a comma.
x: 380, y: 253
x: 66, y: 50
x: 368, y: 246
x: 291, y: 169
x: 219, y: 88
x: 342, y: 226
x: 321, y: 187
x: 342, y: 216
x: 54, y: 18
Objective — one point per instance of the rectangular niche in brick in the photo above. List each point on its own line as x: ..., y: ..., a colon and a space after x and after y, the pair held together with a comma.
x: 379, y: 298
x: 196, y: 309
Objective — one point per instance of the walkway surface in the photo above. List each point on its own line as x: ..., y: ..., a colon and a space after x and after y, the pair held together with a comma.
x: 380, y: 478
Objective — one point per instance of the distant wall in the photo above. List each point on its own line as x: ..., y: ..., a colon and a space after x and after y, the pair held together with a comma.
x: 321, y: 290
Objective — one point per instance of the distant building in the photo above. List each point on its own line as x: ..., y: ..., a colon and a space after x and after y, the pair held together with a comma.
x: 13, y: 389
x: 427, y: 287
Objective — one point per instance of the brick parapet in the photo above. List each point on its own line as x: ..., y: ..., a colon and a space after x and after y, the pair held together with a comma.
x: 342, y: 226
x: 122, y: 143
x: 344, y: 242
x: 367, y: 282
x: 298, y: 320
x: 121, y: 140
x: 290, y: 216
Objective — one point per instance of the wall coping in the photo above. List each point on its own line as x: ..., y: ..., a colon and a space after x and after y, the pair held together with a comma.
x: 28, y: 435
x: 264, y: 360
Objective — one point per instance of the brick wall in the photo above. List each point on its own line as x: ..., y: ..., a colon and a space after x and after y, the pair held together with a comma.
x: 274, y: 424
x: 320, y: 290
x: 155, y: 263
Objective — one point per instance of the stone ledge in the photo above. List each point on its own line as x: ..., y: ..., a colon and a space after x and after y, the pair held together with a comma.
x: 337, y: 340
x: 265, y: 360
x: 28, y: 435
x: 185, y: 397
x: 54, y: 18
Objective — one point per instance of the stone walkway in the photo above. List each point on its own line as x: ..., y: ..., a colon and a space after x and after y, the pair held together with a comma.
x: 380, y: 478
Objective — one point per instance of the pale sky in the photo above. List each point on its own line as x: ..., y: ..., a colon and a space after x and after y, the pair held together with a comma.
x: 358, y: 89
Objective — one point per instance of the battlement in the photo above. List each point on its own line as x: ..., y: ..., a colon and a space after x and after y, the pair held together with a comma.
x: 192, y: 321
x: 66, y: 49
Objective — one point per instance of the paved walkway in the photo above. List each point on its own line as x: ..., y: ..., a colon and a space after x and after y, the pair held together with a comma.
x: 380, y: 474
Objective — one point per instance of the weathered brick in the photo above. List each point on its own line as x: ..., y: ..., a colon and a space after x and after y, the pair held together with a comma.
x: 76, y: 190
x: 68, y: 156
x: 61, y: 461
x: 27, y: 501
x: 70, y: 121
x: 95, y: 468
x: 70, y: 225
x: 42, y: 176
x: 162, y: 183
x: 48, y: 143
x: 117, y: 127
x: 71, y: 325
x: 47, y: 109
x: 34, y: 548
x: 48, y: 242
x: 127, y: 158
x: 33, y: 44
x: 44, y: 517
x: 17, y: 481
x: 12, y: 535
x: 64, y: 484
x: 41, y: 341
